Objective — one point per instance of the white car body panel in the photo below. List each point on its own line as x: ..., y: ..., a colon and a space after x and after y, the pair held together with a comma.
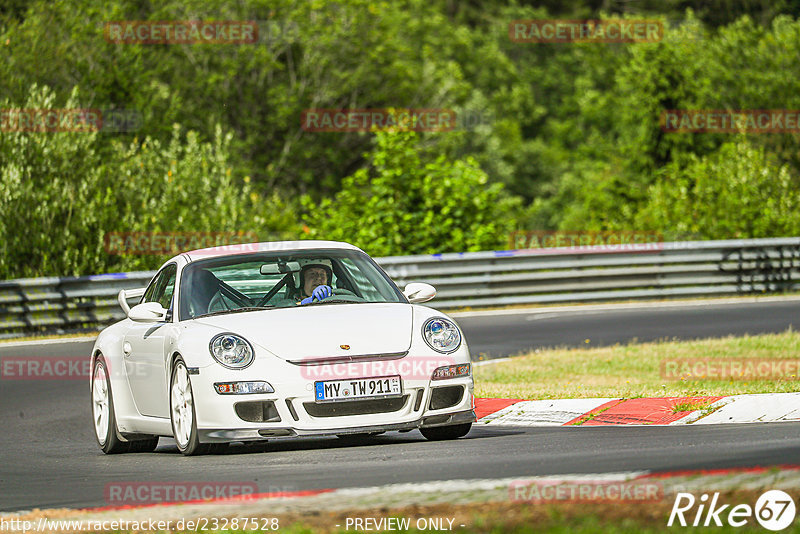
x: 144, y: 366
x: 317, y: 332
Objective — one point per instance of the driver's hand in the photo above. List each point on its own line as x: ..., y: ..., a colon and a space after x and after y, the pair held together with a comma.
x: 321, y: 292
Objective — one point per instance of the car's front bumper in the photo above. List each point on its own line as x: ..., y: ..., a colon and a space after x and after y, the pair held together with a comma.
x: 251, y: 434
x: 293, y: 410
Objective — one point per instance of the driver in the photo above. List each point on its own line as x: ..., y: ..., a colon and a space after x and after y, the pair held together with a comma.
x: 315, y: 279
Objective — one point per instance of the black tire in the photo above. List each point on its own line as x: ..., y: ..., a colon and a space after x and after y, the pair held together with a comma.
x: 439, y: 433
x: 110, y: 442
x: 192, y: 447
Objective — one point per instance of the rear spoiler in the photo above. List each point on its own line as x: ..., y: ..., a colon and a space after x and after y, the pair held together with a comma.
x: 126, y: 294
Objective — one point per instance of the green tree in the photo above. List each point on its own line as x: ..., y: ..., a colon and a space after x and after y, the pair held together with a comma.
x: 739, y: 191
x: 62, y: 192
x: 403, y: 205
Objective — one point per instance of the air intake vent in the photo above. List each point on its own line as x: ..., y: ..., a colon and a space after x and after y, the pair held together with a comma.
x: 360, y: 407
x: 257, y: 412
x: 291, y: 410
x: 445, y: 397
x: 418, y: 402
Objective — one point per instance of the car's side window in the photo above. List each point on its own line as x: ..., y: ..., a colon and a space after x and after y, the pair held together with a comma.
x: 162, y: 287
x: 365, y: 287
x: 169, y: 287
x: 152, y: 288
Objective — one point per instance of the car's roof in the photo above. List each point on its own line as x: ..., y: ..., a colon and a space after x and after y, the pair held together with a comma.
x: 267, y: 246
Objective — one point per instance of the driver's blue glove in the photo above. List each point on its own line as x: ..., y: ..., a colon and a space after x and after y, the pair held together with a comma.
x: 321, y: 292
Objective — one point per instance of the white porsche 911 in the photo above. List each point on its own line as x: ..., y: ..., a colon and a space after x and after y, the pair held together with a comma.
x: 273, y: 340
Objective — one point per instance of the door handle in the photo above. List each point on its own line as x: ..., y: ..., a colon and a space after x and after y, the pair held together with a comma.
x: 126, y: 348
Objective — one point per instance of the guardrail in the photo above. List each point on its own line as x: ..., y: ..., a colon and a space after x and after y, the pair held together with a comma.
x: 602, y: 273
x: 62, y: 303
x: 473, y: 279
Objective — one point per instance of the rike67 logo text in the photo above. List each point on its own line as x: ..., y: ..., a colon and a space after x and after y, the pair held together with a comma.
x: 774, y: 510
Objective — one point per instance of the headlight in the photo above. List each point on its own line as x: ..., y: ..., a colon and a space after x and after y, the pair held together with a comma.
x: 441, y: 335
x: 231, y: 351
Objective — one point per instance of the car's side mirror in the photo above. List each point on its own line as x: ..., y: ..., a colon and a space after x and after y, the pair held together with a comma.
x: 417, y: 292
x: 147, y: 312
x: 126, y: 294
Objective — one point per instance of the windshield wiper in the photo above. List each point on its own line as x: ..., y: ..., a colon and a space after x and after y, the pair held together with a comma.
x: 236, y: 310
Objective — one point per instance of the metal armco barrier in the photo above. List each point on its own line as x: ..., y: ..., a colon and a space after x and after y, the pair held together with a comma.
x: 603, y: 273
x: 55, y: 304
x: 474, y: 279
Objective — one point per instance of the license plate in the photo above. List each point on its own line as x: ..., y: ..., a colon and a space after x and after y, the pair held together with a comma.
x: 357, y: 388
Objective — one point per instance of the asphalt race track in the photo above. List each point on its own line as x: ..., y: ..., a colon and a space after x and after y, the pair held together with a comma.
x: 50, y: 459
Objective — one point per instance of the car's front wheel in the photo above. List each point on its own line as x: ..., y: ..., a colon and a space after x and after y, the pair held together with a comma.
x: 438, y: 433
x: 182, y: 413
x: 105, y: 424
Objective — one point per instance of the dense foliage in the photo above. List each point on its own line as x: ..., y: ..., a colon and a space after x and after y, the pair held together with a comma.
x: 567, y: 136
x: 402, y: 205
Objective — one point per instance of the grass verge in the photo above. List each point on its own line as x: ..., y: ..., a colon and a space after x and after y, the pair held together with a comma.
x: 649, y: 370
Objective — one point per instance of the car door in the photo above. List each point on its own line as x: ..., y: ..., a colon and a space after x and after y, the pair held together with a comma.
x: 143, y: 349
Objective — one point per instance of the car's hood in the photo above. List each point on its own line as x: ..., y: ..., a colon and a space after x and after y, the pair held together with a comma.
x: 323, y: 331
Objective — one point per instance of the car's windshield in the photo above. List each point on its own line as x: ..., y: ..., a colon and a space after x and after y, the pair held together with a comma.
x: 282, y: 280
